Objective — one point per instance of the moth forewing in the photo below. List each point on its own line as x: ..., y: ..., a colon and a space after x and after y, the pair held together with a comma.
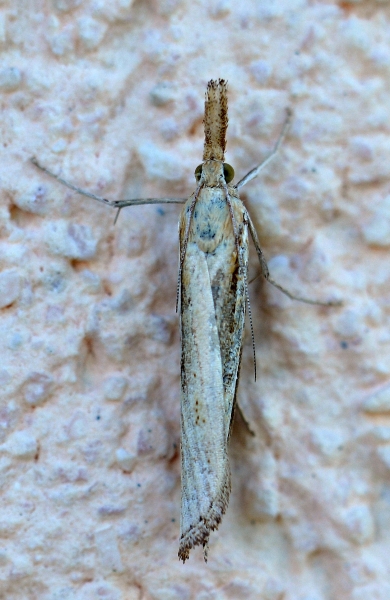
x: 212, y: 290
x: 205, y: 471
x: 212, y: 327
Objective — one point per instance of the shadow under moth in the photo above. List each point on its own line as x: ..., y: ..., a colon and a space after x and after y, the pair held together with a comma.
x: 212, y: 294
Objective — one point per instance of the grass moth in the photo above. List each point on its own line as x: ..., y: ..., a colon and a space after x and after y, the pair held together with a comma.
x: 214, y: 233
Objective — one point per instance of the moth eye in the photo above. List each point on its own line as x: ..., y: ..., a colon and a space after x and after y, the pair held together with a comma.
x: 228, y: 171
x: 198, y: 172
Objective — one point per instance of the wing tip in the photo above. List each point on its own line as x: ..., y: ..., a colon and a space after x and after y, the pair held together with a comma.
x: 198, y: 535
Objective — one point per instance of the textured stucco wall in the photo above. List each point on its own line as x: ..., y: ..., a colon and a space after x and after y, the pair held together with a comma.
x: 109, y: 93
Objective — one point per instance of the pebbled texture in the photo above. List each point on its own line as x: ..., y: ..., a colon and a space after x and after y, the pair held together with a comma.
x: 111, y: 95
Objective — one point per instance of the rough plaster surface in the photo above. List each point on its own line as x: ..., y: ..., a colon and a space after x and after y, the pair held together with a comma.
x: 109, y: 93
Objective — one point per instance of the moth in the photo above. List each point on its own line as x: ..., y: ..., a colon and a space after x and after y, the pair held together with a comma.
x: 212, y: 292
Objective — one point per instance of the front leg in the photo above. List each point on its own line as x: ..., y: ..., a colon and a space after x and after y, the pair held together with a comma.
x: 118, y: 204
x: 254, y: 172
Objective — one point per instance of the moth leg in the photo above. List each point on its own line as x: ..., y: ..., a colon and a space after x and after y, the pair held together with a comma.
x: 267, y: 276
x: 245, y: 420
x: 119, y: 204
x: 254, y: 172
x: 263, y: 262
x: 303, y: 298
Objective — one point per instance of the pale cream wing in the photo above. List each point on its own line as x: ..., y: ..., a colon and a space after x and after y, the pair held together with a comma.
x: 228, y: 276
x: 205, y: 469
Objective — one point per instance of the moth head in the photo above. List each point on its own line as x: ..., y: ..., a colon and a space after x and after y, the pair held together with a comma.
x: 228, y: 172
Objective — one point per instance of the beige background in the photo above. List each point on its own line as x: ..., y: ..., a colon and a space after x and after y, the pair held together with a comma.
x: 110, y: 94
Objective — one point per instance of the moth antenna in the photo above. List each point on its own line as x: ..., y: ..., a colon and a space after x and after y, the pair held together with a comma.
x: 251, y: 324
x: 185, y: 243
x: 215, y: 120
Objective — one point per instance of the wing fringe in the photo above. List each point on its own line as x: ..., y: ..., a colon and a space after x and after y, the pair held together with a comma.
x: 198, y: 534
